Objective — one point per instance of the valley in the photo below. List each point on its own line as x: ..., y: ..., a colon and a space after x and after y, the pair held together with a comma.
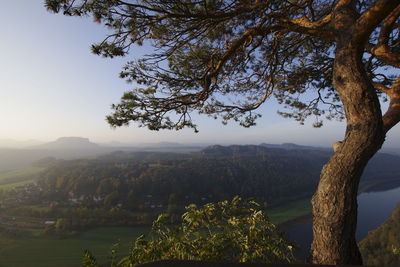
x: 66, y: 205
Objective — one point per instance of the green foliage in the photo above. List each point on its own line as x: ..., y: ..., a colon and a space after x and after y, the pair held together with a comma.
x: 89, y: 260
x: 215, y: 174
x: 63, y: 225
x: 396, y: 251
x: 214, y: 57
x: 115, y: 248
x: 233, y: 231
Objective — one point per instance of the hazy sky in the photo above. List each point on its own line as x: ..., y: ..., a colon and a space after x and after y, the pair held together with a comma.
x: 51, y: 86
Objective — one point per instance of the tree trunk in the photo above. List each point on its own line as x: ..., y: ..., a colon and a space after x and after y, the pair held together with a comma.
x: 335, y: 202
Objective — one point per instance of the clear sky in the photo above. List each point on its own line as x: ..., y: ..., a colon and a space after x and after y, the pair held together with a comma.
x: 52, y: 86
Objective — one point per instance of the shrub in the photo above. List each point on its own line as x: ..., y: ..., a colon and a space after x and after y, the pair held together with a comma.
x: 231, y: 231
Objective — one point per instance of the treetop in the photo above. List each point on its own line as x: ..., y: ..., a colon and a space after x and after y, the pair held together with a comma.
x: 226, y: 58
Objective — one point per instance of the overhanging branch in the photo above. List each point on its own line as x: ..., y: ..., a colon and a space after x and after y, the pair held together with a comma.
x: 371, y: 18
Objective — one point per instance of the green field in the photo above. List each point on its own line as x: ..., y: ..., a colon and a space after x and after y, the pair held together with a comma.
x: 13, y: 185
x: 289, y: 211
x: 28, y: 250
x: 11, y: 179
x: 19, y: 174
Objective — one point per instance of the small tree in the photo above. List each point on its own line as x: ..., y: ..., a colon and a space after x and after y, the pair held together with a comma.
x: 331, y: 58
x: 231, y: 231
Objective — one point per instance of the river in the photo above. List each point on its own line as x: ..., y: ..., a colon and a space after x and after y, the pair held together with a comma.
x: 373, y: 209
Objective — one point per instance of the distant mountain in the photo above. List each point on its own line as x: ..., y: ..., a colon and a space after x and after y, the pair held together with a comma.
x: 163, y: 144
x: 62, y: 148
x: 154, y: 147
x: 292, y: 146
x: 391, y: 150
x: 76, y: 147
x: 218, y: 150
x: 143, y: 145
x: 381, y: 172
x: 69, y: 143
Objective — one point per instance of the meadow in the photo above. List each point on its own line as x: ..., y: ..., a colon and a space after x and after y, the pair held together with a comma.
x: 28, y: 249
x: 289, y: 211
x: 11, y: 179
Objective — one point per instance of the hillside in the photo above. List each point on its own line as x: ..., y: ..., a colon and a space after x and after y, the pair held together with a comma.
x: 381, y: 246
x: 272, y: 175
x: 211, y: 175
x: 154, y: 182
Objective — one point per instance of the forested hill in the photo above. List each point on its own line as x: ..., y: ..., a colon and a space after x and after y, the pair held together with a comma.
x: 139, y: 180
x: 381, y: 247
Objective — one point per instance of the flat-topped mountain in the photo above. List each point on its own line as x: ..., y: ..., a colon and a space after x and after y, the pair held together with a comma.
x: 69, y: 143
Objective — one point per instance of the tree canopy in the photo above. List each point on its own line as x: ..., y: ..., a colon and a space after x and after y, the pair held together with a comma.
x: 228, y: 57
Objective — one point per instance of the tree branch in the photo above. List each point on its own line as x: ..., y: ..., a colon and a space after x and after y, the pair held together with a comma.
x: 240, y: 9
x: 381, y: 88
x: 235, y: 45
x: 392, y: 115
x: 382, y: 50
x: 313, y: 28
x: 371, y: 18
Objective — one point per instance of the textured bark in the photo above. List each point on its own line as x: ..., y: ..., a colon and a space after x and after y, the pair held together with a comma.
x: 335, y: 202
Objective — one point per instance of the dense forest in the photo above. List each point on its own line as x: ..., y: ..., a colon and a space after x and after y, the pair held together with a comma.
x: 381, y: 246
x: 215, y: 174
x: 153, y: 180
x: 125, y: 188
x: 143, y: 180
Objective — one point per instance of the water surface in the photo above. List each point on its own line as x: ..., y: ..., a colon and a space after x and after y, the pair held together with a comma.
x: 373, y: 209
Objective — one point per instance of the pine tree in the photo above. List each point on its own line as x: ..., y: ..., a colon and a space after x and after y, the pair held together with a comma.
x: 227, y: 58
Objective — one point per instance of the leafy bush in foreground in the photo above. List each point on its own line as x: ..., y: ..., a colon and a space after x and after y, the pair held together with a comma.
x: 233, y: 231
